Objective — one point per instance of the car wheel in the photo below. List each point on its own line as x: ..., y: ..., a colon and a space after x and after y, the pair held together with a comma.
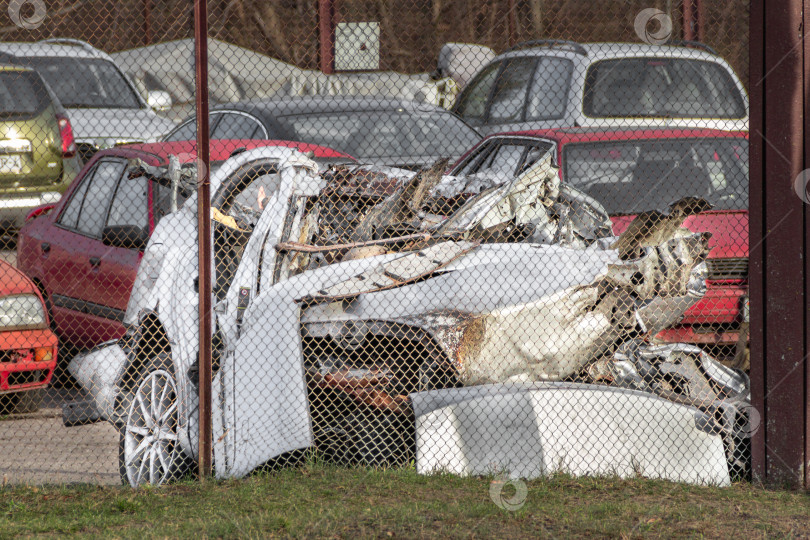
x: 149, y: 446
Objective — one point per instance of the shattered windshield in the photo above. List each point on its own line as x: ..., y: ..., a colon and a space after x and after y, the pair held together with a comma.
x: 492, y: 188
x: 629, y: 177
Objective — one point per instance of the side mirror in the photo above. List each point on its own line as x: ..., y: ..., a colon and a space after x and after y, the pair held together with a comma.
x: 125, y: 236
x: 159, y: 100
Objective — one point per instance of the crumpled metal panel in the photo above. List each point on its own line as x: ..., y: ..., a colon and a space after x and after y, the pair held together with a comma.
x: 400, y: 271
x: 529, y: 431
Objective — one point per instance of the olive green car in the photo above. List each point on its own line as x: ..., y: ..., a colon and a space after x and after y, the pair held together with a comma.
x: 37, y: 150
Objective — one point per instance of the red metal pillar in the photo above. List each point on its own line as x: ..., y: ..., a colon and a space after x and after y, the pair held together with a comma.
x: 512, y: 19
x: 778, y: 239
x: 326, y: 32
x: 691, y: 20
x: 203, y: 233
x: 147, y: 20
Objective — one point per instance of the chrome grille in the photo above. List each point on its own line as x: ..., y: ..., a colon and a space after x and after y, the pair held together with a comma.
x: 728, y: 268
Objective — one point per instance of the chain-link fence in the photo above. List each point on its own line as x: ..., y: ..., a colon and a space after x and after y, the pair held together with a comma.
x: 505, y: 237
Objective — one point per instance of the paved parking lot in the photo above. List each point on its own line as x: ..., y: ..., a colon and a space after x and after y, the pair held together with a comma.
x: 37, y: 448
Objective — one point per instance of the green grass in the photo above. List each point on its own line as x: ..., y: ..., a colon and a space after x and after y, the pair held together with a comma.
x: 320, y: 500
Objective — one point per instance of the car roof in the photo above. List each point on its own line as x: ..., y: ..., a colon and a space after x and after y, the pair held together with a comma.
x: 220, y: 150
x: 612, y: 50
x: 580, y: 134
x: 325, y: 104
x: 71, y: 49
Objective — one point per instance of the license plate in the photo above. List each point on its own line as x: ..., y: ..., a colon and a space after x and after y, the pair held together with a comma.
x: 746, y: 309
x: 10, y: 164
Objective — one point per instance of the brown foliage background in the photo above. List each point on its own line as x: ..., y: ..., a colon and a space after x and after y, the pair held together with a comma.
x: 412, y: 31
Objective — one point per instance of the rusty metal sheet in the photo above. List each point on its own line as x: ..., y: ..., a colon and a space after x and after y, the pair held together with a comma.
x: 405, y: 269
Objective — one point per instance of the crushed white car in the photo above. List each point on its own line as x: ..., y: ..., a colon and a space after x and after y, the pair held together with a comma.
x: 360, y: 311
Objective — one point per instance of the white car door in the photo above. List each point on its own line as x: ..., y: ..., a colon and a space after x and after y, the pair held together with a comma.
x: 261, y: 407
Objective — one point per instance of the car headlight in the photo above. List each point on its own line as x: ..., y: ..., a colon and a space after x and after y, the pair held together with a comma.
x: 24, y: 310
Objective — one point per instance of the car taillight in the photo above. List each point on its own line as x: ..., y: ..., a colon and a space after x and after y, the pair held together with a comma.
x: 66, y: 132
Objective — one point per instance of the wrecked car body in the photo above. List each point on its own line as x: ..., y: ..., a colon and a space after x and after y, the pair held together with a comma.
x: 325, y: 332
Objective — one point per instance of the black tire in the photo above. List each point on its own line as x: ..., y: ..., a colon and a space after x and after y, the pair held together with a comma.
x: 142, y: 434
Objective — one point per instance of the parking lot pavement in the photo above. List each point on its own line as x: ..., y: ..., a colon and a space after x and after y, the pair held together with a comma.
x: 38, y: 449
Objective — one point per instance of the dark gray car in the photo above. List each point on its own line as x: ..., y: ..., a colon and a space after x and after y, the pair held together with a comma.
x: 381, y: 131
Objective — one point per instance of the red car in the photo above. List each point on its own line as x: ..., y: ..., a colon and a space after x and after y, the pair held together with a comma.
x: 633, y: 171
x: 27, y: 345
x: 73, y: 250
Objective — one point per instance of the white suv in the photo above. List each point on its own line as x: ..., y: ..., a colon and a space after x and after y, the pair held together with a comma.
x: 104, y: 106
x: 552, y: 83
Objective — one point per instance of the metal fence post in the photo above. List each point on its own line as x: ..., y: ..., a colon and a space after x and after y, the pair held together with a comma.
x: 204, y: 232
x: 326, y: 32
x: 778, y: 238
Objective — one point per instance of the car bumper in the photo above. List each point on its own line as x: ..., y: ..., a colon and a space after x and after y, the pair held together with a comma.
x: 715, y: 320
x: 21, y: 366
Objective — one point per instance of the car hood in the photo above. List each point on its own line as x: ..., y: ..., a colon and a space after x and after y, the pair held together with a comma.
x: 119, y: 125
x: 12, y: 281
x: 729, y: 229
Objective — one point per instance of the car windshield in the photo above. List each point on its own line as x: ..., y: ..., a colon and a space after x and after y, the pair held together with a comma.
x: 385, y: 134
x: 21, y: 94
x: 661, y: 87
x: 628, y: 177
x: 86, y: 82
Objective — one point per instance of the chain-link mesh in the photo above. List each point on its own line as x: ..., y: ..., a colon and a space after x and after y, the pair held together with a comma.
x: 476, y: 237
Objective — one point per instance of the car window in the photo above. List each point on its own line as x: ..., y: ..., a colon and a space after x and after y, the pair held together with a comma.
x: 97, y: 198
x: 70, y: 215
x: 503, y: 159
x: 511, y: 157
x: 22, y: 95
x: 237, y: 126
x: 472, y: 103
x: 256, y: 194
x: 85, y: 82
x: 130, y: 205
x: 185, y: 132
x: 162, y: 205
x: 628, y: 177
x: 386, y: 134
x: 509, y: 97
x: 548, y: 95
x: 668, y: 87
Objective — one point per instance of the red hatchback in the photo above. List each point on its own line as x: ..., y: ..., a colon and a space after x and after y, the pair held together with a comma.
x: 631, y: 171
x: 83, y: 252
x: 27, y: 345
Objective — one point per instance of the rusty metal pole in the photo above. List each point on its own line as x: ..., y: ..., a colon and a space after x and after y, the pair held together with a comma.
x: 326, y: 32
x: 512, y: 19
x: 203, y: 233
x: 147, y: 27
x: 689, y: 20
x: 778, y: 238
